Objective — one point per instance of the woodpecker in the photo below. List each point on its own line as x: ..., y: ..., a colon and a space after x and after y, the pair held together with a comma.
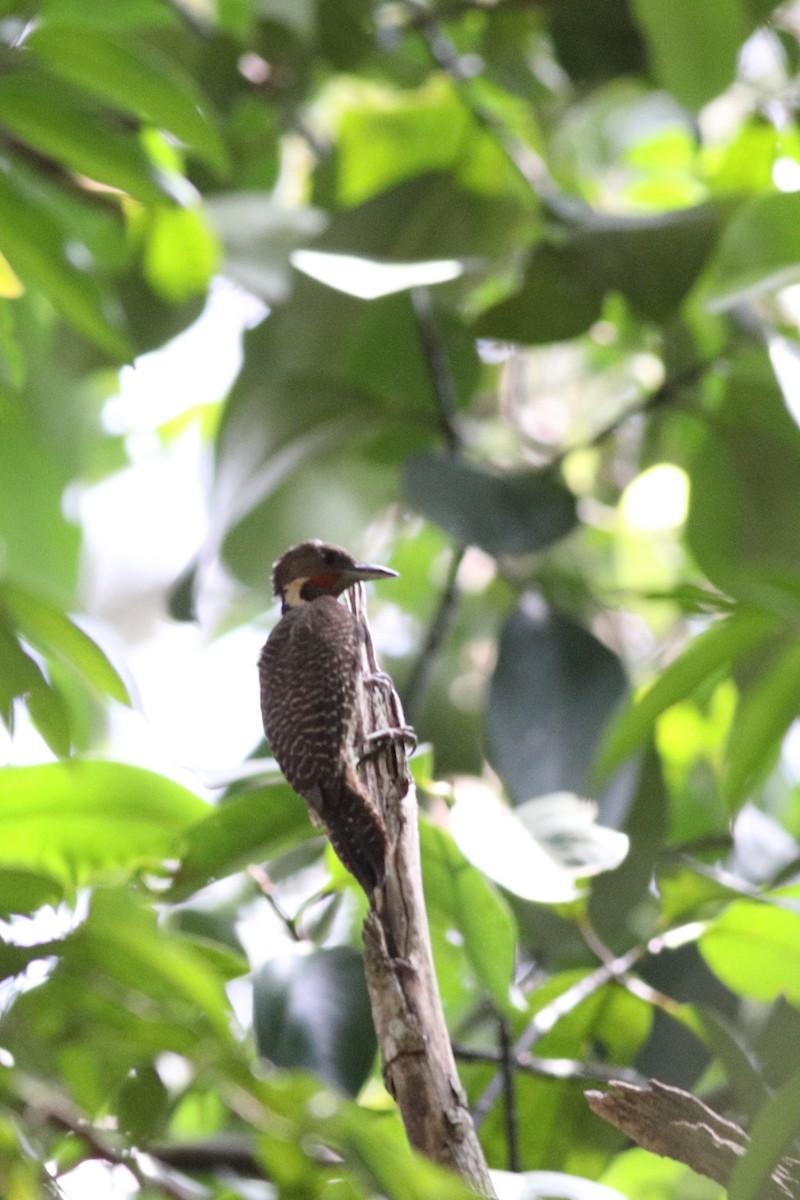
x: 311, y: 678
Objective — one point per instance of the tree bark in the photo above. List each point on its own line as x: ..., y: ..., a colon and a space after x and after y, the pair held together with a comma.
x: 418, y: 1064
x: 675, y: 1124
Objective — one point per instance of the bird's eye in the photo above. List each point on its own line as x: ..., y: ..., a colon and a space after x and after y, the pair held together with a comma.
x: 328, y: 557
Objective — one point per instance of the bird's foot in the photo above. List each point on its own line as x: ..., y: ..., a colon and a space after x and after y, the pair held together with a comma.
x: 381, y: 738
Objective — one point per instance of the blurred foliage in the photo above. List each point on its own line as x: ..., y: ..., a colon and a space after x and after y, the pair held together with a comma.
x: 532, y: 336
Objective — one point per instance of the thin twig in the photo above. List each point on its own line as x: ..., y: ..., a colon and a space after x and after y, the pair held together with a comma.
x: 554, y: 1068
x: 508, y: 1064
x: 664, y: 394
x: 552, y: 1013
x: 265, y: 886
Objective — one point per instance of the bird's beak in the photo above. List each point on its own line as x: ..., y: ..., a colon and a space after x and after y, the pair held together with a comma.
x: 360, y: 572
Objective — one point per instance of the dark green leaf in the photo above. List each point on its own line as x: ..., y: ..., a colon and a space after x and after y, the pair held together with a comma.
x: 134, y: 77
x: 142, y: 1105
x: 511, y: 512
x: 244, y: 829
x: 744, y: 513
x: 653, y: 261
x: 770, y: 1135
x: 22, y: 892
x: 693, y: 45
x: 55, y: 120
x: 312, y: 1011
x: 36, y: 250
x: 553, y: 689
x: 596, y: 41
x: 559, y: 299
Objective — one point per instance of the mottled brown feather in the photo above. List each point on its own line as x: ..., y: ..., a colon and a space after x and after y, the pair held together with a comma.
x: 310, y: 675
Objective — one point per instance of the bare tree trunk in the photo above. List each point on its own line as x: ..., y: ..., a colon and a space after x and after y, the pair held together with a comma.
x: 418, y: 1064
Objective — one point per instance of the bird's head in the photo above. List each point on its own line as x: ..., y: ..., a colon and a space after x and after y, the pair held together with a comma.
x: 314, y: 569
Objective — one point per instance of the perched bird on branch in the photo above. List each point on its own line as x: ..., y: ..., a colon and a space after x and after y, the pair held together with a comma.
x: 311, y: 679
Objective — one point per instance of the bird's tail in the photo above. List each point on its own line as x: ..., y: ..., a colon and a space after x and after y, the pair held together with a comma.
x: 357, y: 832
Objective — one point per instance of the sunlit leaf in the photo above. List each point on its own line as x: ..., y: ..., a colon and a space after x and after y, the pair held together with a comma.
x: 460, y: 895
x: 53, y: 632
x: 710, y: 651
x: 244, y: 829
x: 764, y: 714
x: 755, y: 950
x: 758, y: 251
x: 539, y: 850
x: 181, y: 255
x: 87, y: 821
x: 549, y: 1185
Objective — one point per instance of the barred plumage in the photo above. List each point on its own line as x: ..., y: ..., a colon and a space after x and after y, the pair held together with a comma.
x: 310, y: 674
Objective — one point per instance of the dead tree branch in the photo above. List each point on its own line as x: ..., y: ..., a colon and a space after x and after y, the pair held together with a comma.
x: 418, y: 1064
x: 675, y: 1124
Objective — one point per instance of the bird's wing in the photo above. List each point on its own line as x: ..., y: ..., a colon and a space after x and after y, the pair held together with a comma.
x: 309, y: 671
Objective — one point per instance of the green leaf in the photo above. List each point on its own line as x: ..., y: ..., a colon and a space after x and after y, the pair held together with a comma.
x: 22, y: 892
x: 39, y: 545
x: 512, y: 512
x: 86, y: 822
x: 132, y: 76
x: 755, y: 950
x: 122, y: 940
x: 312, y: 1011
x: 539, y: 850
x: 21, y: 678
x: 708, y: 653
x: 762, y: 718
x: 744, y: 520
x: 143, y: 1105
x: 558, y: 299
x: 243, y: 829
x: 771, y: 1134
x: 36, y: 250
x: 54, y: 633
x: 758, y: 252
x: 653, y: 261
x: 693, y: 45
x: 181, y: 254
x: 56, y: 121
x: 460, y: 894
x: 551, y: 693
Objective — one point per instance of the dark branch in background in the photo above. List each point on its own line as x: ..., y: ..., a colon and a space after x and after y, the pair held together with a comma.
x: 507, y: 1066
x: 553, y: 1068
x: 435, y: 353
x: 438, y: 629
x: 675, y: 1124
x: 444, y: 390
x: 616, y: 969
